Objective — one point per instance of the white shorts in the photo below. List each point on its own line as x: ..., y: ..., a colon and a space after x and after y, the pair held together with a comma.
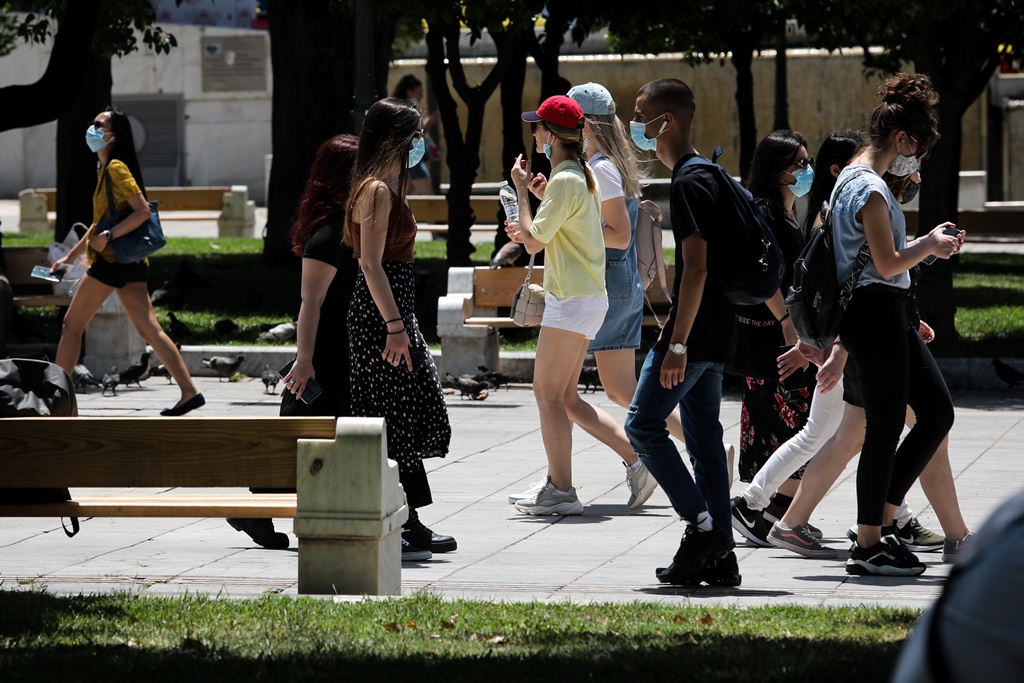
x: 581, y: 314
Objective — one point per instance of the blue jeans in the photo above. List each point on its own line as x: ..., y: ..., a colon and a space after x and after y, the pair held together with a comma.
x: 699, y: 397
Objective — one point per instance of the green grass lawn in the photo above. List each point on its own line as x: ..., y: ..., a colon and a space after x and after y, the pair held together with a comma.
x: 424, y: 638
x: 988, y: 291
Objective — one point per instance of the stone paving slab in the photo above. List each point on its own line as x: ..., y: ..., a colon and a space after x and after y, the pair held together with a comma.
x: 608, y: 554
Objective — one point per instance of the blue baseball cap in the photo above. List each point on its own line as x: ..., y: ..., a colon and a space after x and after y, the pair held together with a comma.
x: 593, y: 98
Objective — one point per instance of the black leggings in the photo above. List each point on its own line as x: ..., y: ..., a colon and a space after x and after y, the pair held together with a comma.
x: 895, y: 369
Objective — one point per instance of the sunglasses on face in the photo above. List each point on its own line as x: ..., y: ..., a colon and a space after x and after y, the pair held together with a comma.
x: 803, y: 163
x: 535, y: 125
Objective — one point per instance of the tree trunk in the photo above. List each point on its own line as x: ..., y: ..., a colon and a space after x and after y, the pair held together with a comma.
x: 52, y: 95
x: 781, y: 82
x: 512, y: 85
x: 743, y: 59
x: 960, y: 76
x: 76, y: 164
x: 314, y: 80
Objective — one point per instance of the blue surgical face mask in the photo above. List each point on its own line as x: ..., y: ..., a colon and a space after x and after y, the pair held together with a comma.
x: 638, y: 131
x: 804, y: 179
x: 547, y: 148
x: 419, y: 148
x: 94, y: 138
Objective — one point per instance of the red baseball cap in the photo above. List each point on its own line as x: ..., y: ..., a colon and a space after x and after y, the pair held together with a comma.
x: 559, y: 110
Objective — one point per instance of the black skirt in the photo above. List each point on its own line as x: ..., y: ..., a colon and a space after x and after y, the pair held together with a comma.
x: 411, y: 402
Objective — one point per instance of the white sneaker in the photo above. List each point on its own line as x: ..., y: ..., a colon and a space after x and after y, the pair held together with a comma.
x: 641, y: 485
x: 551, y: 501
x: 531, y: 492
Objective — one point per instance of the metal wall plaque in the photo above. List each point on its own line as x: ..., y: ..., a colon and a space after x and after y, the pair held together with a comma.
x: 233, y: 63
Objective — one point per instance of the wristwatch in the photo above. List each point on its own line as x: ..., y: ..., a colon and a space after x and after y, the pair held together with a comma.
x: 109, y: 235
x: 677, y: 348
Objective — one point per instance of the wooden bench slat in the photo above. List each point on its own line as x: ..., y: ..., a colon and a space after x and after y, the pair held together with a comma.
x: 434, y: 208
x: 190, y: 198
x: 30, y: 300
x: 497, y: 287
x: 156, y: 451
x: 490, y: 322
x: 246, y: 505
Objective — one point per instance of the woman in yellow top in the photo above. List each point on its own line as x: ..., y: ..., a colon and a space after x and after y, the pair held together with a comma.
x: 110, y: 137
x: 568, y: 227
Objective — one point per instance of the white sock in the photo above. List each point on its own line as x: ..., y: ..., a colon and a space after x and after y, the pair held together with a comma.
x: 904, y: 514
x: 635, y: 465
x: 704, y: 522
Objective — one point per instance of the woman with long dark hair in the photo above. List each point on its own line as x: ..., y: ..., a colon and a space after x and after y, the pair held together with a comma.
x: 771, y: 411
x: 110, y: 137
x: 393, y: 374
x: 328, y: 279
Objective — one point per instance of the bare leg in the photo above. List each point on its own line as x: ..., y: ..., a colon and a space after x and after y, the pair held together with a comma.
x: 789, y: 487
x: 617, y: 370
x: 556, y: 370
x: 135, y: 300
x: 826, y: 466
x: 89, y: 296
x: 595, y: 421
x: 937, y: 483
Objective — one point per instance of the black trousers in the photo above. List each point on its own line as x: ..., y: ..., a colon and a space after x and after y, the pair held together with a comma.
x: 895, y: 369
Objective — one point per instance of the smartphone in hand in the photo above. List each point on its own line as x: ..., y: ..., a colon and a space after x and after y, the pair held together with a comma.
x: 43, y: 273
x: 313, y: 389
x: 950, y: 230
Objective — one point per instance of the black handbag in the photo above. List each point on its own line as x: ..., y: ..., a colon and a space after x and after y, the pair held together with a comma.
x: 144, y: 240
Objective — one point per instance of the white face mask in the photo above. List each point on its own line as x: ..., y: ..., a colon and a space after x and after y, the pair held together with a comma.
x: 903, y: 164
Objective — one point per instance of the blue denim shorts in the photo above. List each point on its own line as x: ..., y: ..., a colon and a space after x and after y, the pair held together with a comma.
x: 621, y: 328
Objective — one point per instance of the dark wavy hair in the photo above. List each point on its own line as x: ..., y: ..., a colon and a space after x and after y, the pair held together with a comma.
x: 405, y: 84
x: 384, y: 144
x: 122, y: 147
x: 908, y: 104
x: 771, y: 157
x: 327, y: 189
x: 837, y: 149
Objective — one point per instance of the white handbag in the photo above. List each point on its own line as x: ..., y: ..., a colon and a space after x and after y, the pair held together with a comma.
x: 528, y: 302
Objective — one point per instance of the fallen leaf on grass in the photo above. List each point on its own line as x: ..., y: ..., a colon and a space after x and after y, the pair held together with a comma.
x: 393, y: 626
x: 411, y: 625
x: 134, y: 643
x: 706, y: 619
x: 483, y: 637
x: 450, y: 621
x: 679, y: 619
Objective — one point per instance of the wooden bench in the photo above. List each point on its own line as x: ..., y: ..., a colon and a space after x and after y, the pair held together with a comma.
x: 431, y: 212
x: 468, y: 320
x: 348, y: 512
x: 29, y: 291
x: 190, y: 198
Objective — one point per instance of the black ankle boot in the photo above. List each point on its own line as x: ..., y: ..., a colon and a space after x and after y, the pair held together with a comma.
x: 420, y: 536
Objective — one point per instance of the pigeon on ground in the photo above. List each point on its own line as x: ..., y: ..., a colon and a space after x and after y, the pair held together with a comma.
x: 225, y: 327
x: 507, y: 255
x: 133, y: 373
x: 1007, y: 373
x: 160, y: 371
x: 110, y: 381
x: 82, y: 378
x: 270, y: 379
x: 179, y: 329
x: 493, y: 378
x: 467, y: 386
x: 168, y: 295
x: 224, y: 366
x: 278, y: 333
x: 589, y: 378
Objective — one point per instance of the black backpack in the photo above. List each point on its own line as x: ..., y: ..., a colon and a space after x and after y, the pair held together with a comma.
x: 816, y: 302
x: 36, y: 388
x: 746, y: 255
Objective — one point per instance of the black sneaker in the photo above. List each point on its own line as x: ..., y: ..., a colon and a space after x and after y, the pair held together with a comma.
x: 417, y: 534
x: 722, y: 572
x: 886, y: 558
x: 695, y: 549
x: 262, y: 532
x: 749, y: 523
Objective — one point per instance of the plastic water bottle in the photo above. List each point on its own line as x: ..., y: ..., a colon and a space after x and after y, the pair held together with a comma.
x: 510, y: 202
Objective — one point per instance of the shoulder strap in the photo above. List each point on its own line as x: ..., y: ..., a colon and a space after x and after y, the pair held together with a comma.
x: 862, y: 256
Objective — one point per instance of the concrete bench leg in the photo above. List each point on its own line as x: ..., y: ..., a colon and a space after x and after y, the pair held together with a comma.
x: 238, y: 214
x: 350, y: 513
x: 111, y: 340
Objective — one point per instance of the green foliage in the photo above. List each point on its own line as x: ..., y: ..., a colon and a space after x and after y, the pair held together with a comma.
x: 116, y: 30
x: 8, y: 30
x: 427, y: 638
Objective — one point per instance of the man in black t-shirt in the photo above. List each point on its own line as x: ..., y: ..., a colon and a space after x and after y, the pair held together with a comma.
x: 685, y: 366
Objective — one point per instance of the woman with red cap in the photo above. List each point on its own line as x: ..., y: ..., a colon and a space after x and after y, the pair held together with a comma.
x: 568, y: 227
